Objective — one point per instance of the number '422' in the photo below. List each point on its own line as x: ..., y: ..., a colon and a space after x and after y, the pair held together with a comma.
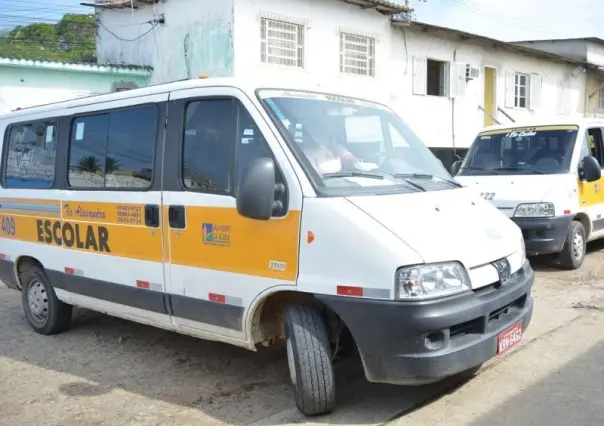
x: 8, y: 225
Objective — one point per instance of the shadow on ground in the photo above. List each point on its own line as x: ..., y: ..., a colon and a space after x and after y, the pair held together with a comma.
x: 549, y: 263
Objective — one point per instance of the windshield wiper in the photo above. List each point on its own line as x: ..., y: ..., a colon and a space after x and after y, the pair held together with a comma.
x: 520, y: 169
x: 352, y: 174
x: 482, y: 169
x: 426, y: 176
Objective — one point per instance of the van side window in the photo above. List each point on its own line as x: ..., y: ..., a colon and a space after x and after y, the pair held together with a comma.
x: 251, y: 144
x: 113, y: 150
x: 585, y: 146
x: 208, y: 136
x: 596, y: 144
x: 30, y: 155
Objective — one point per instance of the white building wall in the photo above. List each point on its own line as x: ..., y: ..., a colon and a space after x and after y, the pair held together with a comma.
x: 197, y: 37
x: 323, y: 20
x: 430, y: 116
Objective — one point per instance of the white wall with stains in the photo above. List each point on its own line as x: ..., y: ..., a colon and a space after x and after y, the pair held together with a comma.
x: 197, y: 37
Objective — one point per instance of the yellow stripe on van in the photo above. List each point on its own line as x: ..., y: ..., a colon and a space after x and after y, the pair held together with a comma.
x: 111, y: 213
x: 115, y: 240
x: 219, y: 238
x: 527, y: 128
x: 214, y: 238
x: 590, y: 193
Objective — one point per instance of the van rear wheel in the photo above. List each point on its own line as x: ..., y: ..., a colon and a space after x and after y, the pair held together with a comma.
x: 309, y: 357
x: 575, y: 245
x: 44, y: 311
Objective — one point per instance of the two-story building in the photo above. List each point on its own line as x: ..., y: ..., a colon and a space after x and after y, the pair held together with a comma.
x: 446, y: 84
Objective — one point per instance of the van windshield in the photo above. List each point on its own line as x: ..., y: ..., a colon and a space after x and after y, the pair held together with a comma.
x: 348, y: 146
x: 527, y: 150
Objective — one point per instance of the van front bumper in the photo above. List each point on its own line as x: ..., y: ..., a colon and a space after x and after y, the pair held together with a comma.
x: 544, y: 235
x: 415, y: 343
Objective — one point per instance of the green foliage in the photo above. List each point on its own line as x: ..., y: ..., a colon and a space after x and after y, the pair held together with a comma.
x: 72, y: 39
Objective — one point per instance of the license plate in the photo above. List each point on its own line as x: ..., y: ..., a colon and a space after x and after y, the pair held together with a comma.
x: 509, y: 338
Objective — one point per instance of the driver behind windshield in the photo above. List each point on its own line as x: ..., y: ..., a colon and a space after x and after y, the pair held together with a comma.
x: 327, y: 155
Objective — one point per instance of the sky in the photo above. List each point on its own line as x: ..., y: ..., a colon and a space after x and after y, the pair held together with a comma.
x: 506, y: 20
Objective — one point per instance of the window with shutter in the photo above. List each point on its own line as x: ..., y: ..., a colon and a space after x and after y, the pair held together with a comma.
x: 510, y: 88
x: 419, y: 75
x: 534, y: 100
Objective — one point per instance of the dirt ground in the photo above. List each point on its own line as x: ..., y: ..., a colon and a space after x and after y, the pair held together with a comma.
x: 107, y: 371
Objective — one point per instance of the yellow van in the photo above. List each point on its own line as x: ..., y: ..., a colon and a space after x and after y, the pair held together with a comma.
x: 547, y: 177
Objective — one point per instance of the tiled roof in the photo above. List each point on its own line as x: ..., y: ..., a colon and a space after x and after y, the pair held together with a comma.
x: 77, y: 66
x: 383, y: 6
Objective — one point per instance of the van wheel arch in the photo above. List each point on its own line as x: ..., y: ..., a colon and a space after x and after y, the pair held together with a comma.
x: 584, y: 219
x: 22, y: 265
x: 268, y: 324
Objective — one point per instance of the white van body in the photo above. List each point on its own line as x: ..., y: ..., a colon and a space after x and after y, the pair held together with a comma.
x: 533, y: 173
x: 106, y: 203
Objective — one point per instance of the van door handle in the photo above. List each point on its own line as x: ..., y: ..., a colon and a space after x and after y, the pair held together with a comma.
x: 152, y: 215
x: 176, y: 217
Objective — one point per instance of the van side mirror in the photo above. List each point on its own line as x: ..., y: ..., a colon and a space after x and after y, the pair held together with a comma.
x: 256, y: 190
x: 589, y: 169
x: 455, y: 167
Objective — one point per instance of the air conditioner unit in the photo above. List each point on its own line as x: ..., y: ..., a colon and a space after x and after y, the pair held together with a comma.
x: 471, y: 72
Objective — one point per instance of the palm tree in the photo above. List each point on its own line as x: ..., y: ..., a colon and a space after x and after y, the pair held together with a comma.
x: 89, y: 164
x: 111, y: 165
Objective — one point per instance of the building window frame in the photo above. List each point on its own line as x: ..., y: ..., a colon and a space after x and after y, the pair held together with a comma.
x: 362, y: 41
x: 601, y: 98
x: 518, y: 85
x: 295, y: 29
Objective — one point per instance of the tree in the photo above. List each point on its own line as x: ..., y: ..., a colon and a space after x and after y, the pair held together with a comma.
x: 72, y: 39
x: 112, y: 165
x: 89, y: 164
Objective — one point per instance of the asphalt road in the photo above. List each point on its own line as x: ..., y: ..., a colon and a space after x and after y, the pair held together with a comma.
x: 570, y: 396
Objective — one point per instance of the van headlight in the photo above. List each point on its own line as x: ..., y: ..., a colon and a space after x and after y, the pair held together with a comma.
x: 534, y: 210
x: 431, y: 280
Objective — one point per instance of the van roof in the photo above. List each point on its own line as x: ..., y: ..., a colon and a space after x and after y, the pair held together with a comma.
x: 545, y: 121
x: 247, y: 84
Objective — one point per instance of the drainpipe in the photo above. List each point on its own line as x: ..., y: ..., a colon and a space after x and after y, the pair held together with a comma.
x: 453, y: 105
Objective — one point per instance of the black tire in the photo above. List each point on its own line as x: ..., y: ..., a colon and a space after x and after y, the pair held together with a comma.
x: 46, y: 314
x: 575, y: 245
x: 310, y: 360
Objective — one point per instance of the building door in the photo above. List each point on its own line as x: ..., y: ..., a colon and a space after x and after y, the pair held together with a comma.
x: 490, y: 78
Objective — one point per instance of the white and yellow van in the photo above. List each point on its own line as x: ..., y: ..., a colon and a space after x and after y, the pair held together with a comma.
x: 249, y: 214
x: 546, y: 176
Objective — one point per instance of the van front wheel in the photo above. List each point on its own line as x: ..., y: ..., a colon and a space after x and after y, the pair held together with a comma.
x: 575, y: 245
x: 310, y: 360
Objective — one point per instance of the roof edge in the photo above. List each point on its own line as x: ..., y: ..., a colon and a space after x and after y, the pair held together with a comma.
x: 510, y: 45
x: 113, y: 69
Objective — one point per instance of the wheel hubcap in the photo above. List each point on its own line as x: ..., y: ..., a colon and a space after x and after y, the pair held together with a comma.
x: 290, y: 361
x: 577, y: 246
x: 38, y: 301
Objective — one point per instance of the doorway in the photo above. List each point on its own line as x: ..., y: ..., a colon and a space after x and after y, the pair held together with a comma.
x: 490, y: 83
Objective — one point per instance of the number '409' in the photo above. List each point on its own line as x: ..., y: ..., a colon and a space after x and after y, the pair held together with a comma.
x: 8, y: 225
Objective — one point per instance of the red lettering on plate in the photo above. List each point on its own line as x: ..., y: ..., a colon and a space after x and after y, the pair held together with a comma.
x: 509, y: 338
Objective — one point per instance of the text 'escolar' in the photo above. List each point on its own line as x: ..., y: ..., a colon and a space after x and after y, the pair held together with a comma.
x: 73, y: 235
